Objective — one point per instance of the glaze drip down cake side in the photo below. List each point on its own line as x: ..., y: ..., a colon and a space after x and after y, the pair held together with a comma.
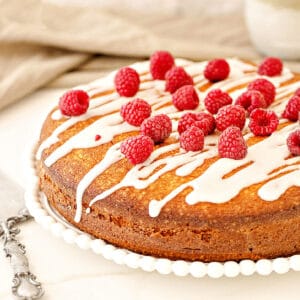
x: 180, y: 159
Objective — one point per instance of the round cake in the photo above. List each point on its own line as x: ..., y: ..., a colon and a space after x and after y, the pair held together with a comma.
x: 235, y: 196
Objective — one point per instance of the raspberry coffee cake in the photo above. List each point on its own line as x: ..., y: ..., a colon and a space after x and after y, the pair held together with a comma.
x: 180, y: 159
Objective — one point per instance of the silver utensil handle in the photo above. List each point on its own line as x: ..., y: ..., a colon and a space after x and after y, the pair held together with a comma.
x: 25, y: 285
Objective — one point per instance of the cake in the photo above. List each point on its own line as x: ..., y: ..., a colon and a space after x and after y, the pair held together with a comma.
x: 178, y: 204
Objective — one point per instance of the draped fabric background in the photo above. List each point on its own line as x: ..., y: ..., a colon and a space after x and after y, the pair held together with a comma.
x: 42, y: 41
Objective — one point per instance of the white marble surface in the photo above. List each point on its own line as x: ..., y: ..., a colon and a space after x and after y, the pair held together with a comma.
x: 70, y: 273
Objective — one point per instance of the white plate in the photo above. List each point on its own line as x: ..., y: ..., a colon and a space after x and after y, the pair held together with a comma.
x: 39, y: 208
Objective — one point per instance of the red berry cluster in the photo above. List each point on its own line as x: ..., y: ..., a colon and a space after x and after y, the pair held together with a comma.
x: 229, y: 118
x: 153, y: 129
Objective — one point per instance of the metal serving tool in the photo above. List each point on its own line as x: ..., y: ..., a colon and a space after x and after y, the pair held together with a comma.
x: 12, y: 213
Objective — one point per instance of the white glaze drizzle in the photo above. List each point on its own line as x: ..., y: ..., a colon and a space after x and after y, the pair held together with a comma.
x: 204, y: 187
x: 211, y: 186
x: 273, y: 189
x: 112, y: 156
x: 136, y: 176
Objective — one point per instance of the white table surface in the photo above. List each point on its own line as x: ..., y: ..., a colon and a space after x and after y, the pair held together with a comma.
x: 68, y: 272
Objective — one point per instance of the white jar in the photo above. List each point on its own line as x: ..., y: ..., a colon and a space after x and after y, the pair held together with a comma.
x: 274, y: 26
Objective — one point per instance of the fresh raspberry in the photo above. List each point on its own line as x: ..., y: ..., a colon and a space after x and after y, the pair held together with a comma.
x: 136, y: 111
x: 215, y: 99
x: 293, y: 142
x: 292, y: 109
x: 263, y: 122
x: 137, y: 149
x: 127, y: 82
x: 251, y: 100
x: 297, y: 93
x: 232, y: 144
x: 74, y: 103
x: 192, y: 139
x: 230, y: 115
x: 216, y: 70
x: 204, y: 121
x: 177, y: 77
x: 265, y: 87
x: 160, y: 63
x: 185, y: 98
x: 271, y: 66
x: 158, y: 127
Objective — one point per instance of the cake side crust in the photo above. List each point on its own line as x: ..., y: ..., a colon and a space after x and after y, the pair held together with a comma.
x: 272, y: 236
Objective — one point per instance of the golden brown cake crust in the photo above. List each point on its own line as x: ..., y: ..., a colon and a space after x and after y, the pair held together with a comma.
x: 245, y: 227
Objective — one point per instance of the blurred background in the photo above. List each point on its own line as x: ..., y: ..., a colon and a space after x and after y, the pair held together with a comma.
x: 62, y: 43
x: 167, y: 7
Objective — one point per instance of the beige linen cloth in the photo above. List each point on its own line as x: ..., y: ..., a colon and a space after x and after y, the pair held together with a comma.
x: 40, y: 41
